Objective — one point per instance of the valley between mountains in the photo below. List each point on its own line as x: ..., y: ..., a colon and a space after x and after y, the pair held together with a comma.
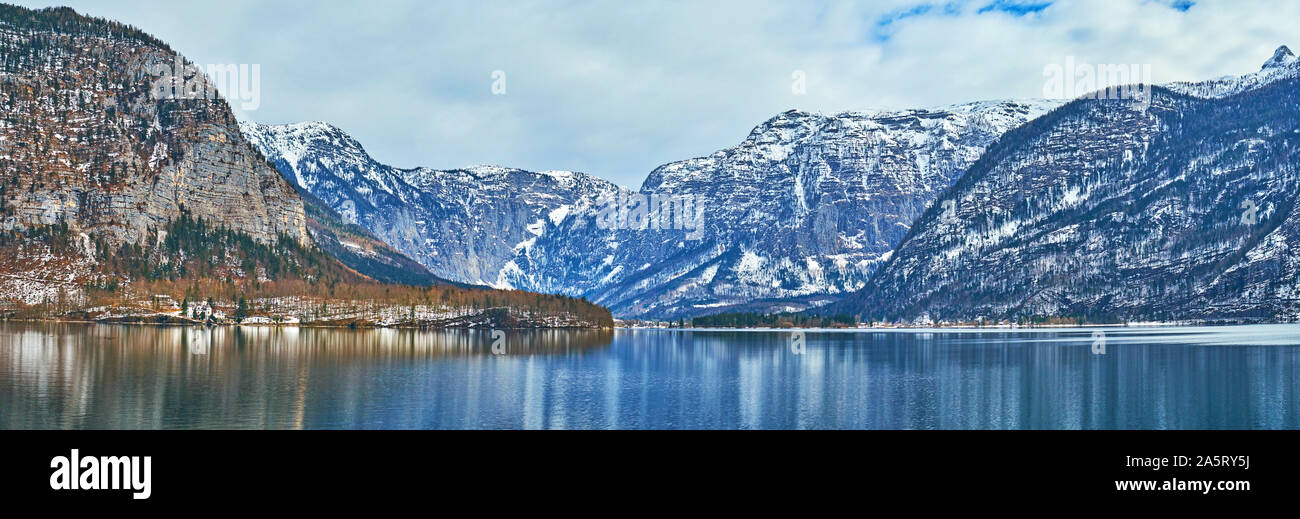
x: 120, y: 205
x: 1096, y: 210
x: 117, y: 205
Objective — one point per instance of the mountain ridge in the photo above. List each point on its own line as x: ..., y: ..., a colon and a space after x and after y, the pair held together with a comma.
x: 1106, y: 210
x: 565, y: 267
x: 799, y: 214
x: 123, y: 199
x: 462, y: 224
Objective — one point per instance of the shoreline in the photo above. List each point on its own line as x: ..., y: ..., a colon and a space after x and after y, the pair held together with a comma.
x: 971, y: 328
x: 297, y: 325
x: 893, y: 329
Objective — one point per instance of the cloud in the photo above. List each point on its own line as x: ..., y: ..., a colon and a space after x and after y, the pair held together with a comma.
x: 617, y: 88
x: 1013, y: 7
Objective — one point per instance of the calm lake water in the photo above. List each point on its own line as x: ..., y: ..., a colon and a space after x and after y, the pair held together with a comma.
x: 69, y: 376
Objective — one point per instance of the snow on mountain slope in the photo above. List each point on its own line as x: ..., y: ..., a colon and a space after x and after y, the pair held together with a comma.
x: 464, y: 225
x: 1283, y: 65
x: 808, y: 206
x: 1110, y: 209
x: 85, y: 140
x: 802, y: 210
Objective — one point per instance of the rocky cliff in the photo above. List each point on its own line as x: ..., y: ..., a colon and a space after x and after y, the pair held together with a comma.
x: 128, y: 192
x: 799, y: 213
x: 466, y: 225
x: 85, y: 139
x: 1180, y: 206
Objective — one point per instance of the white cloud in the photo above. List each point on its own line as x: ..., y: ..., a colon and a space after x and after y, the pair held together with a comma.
x: 617, y: 88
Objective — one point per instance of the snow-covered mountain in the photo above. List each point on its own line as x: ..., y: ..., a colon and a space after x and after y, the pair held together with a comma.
x: 1279, y: 67
x: 800, y: 212
x: 1108, y: 209
x: 86, y: 141
x: 465, y: 224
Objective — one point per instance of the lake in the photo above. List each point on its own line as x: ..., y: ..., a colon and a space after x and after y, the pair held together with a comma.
x: 81, y: 376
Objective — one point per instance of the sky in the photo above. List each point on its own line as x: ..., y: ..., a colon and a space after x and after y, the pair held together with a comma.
x: 615, y: 88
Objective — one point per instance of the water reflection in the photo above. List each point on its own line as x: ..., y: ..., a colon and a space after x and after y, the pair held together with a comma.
x: 94, y: 376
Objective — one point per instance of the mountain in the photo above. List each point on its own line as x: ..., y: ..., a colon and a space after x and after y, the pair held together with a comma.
x: 361, y: 250
x: 1180, y: 208
x: 799, y: 213
x: 128, y: 191
x: 802, y: 211
x: 1281, y: 66
x: 83, y: 140
x: 464, y: 224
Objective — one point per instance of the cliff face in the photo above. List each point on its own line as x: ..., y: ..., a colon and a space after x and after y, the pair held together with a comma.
x: 805, y: 208
x: 466, y: 225
x: 801, y: 212
x: 85, y: 140
x: 120, y: 201
x: 1181, y: 208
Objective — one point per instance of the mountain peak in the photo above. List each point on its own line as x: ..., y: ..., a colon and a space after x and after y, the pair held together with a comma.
x: 1281, y: 58
x: 304, y: 128
x: 304, y: 133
